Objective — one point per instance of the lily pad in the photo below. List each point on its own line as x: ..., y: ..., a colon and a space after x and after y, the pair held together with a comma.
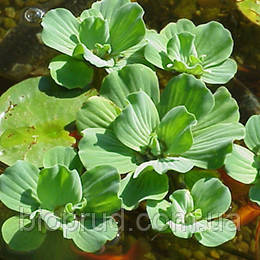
x: 33, y: 117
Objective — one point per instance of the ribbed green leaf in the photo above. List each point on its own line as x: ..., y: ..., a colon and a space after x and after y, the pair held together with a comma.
x: 92, y: 234
x: 213, y: 42
x: 252, y: 138
x: 132, y: 78
x: 240, y: 165
x: 61, y: 155
x: 182, y: 25
x: 21, y: 235
x: 97, y: 112
x: 127, y: 27
x: 212, y: 144
x: 225, y: 110
x: 221, y: 73
x: 101, y: 147
x: 212, y: 197
x: 150, y: 185
x: 60, y: 30
x: 174, y: 130
x: 164, y: 165
x: 218, y: 232
x: 188, y: 91
x: 93, y: 30
x: 63, y: 69
x: 100, y: 188
x: 137, y: 121
x: 18, y: 185
x: 58, y: 186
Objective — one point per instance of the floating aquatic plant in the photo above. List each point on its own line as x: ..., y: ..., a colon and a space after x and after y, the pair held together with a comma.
x: 197, y: 212
x: 102, y: 36
x: 202, y: 50
x: 243, y: 164
x: 57, y: 198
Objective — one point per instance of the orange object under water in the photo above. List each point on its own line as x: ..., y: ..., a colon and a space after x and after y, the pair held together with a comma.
x: 136, y: 252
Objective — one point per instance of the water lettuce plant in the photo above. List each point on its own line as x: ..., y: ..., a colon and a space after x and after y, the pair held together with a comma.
x: 58, y: 198
x: 202, y: 50
x: 197, y: 212
x: 243, y: 164
x: 102, y: 36
x: 130, y: 140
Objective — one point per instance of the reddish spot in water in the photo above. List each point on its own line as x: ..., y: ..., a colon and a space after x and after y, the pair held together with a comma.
x: 238, y: 190
x: 77, y: 136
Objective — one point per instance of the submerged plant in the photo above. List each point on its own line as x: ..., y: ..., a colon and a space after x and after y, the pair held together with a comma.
x: 197, y: 212
x: 243, y: 164
x: 57, y: 198
x: 103, y: 35
x: 203, y: 51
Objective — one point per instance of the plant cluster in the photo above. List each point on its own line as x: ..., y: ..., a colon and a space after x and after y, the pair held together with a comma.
x: 133, y: 138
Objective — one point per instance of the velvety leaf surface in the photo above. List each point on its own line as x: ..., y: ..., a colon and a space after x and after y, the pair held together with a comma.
x: 132, y: 78
x: 58, y: 186
x: 20, y: 236
x: 225, y: 110
x: 214, y: 42
x: 218, y: 232
x: 100, y: 188
x: 240, y: 165
x: 220, y: 74
x: 91, y: 235
x: 127, y: 27
x: 137, y: 121
x: 252, y: 138
x: 60, y: 30
x: 93, y: 30
x: 254, y: 193
x: 101, y: 147
x: 188, y: 91
x: 18, y: 187
x: 175, y: 130
x: 149, y: 185
x: 61, y: 155
x: 97, y: 112
x: 212, y: 197
x: 34, y: 114
x: 63, y: 69
x: 212, y: 144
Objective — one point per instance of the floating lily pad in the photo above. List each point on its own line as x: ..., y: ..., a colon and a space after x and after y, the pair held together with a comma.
x: 33, y: 117
x: 251, y: 9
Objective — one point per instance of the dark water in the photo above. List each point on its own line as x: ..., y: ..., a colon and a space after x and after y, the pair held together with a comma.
x: 21, y: 46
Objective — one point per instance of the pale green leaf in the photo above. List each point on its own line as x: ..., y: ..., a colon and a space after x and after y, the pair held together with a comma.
x: 101, y: 147
x: 58, y: 186
x: 100, y: 188
x: 97, y: 112
x: 218, y: 232
x: 63, y: 69
x: 60, y: 30
x: 18, y: 187
x: 240, y: 165
x: 132, y: 78
x: 188, y: 91
x: 149, y: 185
x: 252, y: 138
x: 21, y: 234
x: 212, y: 197
x: 174, y: 130
x: 137, y: 121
